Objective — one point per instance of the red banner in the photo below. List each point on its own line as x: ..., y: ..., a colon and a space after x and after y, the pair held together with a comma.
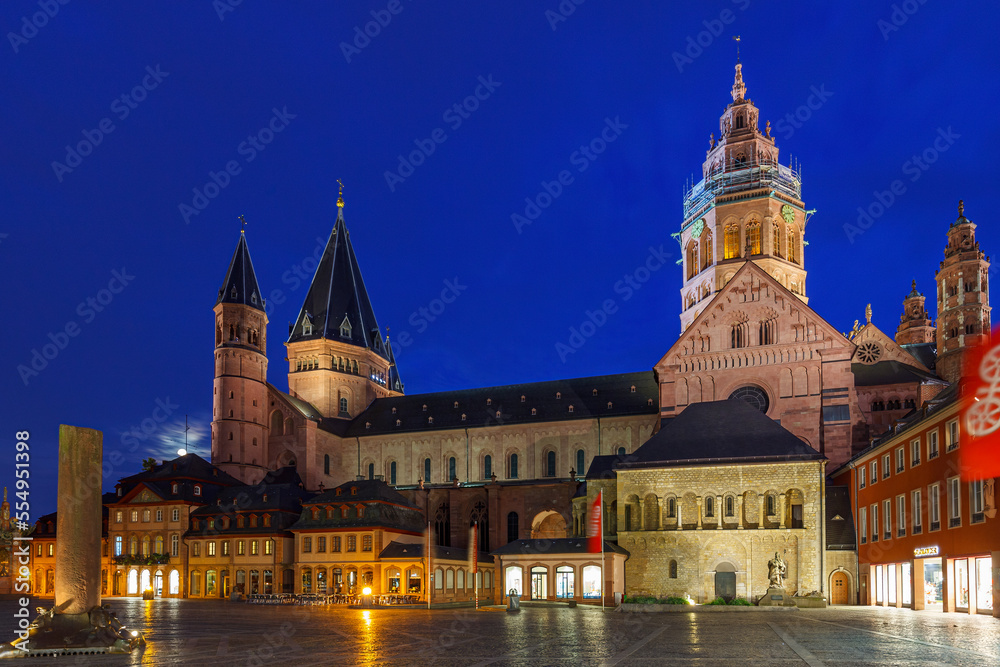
x: 980, y: 432
x: 594, y: 525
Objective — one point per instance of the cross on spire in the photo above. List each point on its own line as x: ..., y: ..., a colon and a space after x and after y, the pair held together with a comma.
x: 340, y: 196
x: 736, y: 38
x: 243, y: 224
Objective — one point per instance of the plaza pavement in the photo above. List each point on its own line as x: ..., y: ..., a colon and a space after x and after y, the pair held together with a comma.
x: 217, y: 633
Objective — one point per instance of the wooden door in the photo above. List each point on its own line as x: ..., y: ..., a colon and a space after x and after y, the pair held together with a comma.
x: 841, y: 589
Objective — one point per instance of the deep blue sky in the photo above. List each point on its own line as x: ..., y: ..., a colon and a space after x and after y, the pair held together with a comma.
x: 119, y: 208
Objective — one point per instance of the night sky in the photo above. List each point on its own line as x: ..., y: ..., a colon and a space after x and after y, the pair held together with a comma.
x: 120, y: 217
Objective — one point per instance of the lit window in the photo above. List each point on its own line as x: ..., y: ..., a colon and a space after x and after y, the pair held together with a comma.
x: 366, y: 543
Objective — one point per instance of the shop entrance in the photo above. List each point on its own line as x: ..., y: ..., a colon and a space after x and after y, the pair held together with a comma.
x: 933, y: 580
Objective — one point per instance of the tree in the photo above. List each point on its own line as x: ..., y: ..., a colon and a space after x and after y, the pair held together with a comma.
x: 148, y: 464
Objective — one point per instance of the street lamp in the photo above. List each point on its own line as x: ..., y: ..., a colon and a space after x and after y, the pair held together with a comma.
x: 366, y: 597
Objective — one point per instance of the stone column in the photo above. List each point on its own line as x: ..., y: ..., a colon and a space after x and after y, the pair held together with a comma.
x: 760, y: 511
x: 782, y: 504
x: 739, y: 512
x: 78, y: 549
x: 720, y: 512
x: 700, y: 511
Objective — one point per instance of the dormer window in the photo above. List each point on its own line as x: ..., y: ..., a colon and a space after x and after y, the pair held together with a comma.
x: 338, y: 492
x: 253, y: 298
x: 595, y: 392
x: 425, y: 407
x: 265, y: 498
x: 173, y: 488
x: 197, y: 489
x: 498, y: 414
x: 489, y: 401
x: 534, y: 411
x: 430, y: 420
x: 307, y: 325
x: 354, y: 490
x: 571, y: 408
x: 463, y: 416
x: 394, y: 411
x: 232, y: 294
x: 456, y: 404
x: 345, y: 328
x: 609, y: 405
x: 632, y: 389
x: 522, y: 398
x: 398, y: 423
x: 368, y: 425
x: 649, y: 402
x: 558, y: 395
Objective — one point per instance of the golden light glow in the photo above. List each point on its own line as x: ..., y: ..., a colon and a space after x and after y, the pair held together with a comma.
x: 366, y: 591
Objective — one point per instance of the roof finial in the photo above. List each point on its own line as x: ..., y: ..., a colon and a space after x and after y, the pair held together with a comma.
x: 868, y: 313
x: 243, y: 224
x: 739, y: 89
x: 913, y: 285
x: 340, y: 196
x: 961, y: 207
x: 737, y: 40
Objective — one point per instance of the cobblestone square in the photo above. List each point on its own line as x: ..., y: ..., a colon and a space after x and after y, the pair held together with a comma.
x: 188, y: 632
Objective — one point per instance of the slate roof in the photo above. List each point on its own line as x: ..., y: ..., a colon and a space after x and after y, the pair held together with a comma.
x: 383, y: 506
x: 839, y: 532
x: 186, y: 471
x: 240, y: 285
x: 282, y: 502
x: 717, y: 431
x: 481, y: 405
x: 395, y: 383
x: 602, y: 467
x: 925, y: 353
x: 337, y: 291
x: 567, y: 545
x: 889, y: 372
x: 413, y: 550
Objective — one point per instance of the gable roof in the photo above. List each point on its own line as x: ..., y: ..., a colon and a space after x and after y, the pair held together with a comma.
x: 714, y: 431
x: 883, y: 348
x: 240, y: 284
x: 752, y: 278
x: 337, y: 292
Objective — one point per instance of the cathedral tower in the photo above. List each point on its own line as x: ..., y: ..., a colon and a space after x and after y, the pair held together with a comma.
x: 963, y: 298
x: 915, y: 325
x: 338, y: 360
x: 747, y: 206
x: 239, y: 402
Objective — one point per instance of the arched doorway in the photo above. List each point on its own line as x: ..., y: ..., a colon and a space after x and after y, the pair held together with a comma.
x: 840, y: 588
x: 725, y: 581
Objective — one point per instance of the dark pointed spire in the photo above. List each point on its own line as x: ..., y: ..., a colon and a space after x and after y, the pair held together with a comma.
x: 337, y: 306
x: 240, y: 285
x: 395, y: 384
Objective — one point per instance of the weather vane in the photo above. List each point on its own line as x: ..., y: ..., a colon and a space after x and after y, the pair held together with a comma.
x: 340, y: 195
x: 737, y: 40
x: 243, y: 224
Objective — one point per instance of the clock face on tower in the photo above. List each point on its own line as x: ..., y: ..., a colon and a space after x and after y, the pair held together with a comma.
x: 697, y: 228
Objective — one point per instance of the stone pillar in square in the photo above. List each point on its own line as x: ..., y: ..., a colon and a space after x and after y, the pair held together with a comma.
x: 78, y: 549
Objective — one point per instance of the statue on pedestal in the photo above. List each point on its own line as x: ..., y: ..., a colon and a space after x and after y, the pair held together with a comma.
x: 776, y: 569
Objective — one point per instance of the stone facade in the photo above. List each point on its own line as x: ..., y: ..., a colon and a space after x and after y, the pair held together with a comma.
x: 680, y: 554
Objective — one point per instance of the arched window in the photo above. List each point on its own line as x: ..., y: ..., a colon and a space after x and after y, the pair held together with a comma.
x: 371, y: 471
x: 512, y: 528
x: 343, y: 405
x: 621, y: 451
x: 427, y: 470
x: 793, y: 245
x: 692, y: 259
x: 672, y: 508
x: 729, y: 506
x: 673, y: 569
x: 767, y: 331
x: 580, y: 461
x: 706, y: 249
x: 442, y: 525
x: 753, y: 236
x: 739, y: 335
x: 326, y: 464
x: 451, y: 469
x: 512, y: 474
x: 709, y: 506
x: 392, y: 473
x: 487, y: 466
x: 550, y: 464
x: 776, y: 239
x: 769, y: 504
x: 732, y: 242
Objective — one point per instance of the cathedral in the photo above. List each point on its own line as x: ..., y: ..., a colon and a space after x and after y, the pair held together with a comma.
x: 697, y: 490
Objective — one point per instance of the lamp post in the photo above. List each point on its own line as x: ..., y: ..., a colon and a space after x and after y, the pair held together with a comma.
x: 366, y: 597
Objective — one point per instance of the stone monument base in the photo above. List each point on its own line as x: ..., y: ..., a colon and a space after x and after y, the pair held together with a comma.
x: 776, y: 597
x: 51, y: 634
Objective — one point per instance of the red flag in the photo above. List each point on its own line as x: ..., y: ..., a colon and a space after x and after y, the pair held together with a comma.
x: 980, y: 432
x: 594, y: 524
